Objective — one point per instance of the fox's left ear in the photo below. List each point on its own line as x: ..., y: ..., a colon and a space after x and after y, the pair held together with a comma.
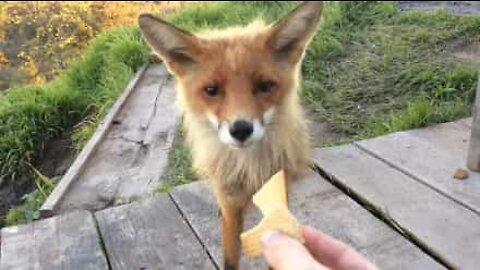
x: 289, y: 36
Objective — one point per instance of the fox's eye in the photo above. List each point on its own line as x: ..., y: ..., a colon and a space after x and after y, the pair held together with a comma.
x: 211, y: 90
x: 265, y: 86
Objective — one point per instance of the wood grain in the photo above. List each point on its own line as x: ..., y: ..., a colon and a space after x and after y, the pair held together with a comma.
x: 150, y: 235
x: 66, y: 242
x: 317, y: 203
x: 445, y: 226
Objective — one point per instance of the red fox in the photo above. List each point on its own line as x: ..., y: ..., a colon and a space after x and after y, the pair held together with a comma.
x: 238, y: 89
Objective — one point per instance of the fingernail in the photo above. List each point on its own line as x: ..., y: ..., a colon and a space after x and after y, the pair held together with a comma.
x: 270, y: 237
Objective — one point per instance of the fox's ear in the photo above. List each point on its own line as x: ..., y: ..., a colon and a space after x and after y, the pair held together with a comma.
x: 175, y: 46
x: 289, y: 36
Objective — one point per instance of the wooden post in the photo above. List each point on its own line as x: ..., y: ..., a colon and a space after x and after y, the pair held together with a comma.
x: 473, y: 160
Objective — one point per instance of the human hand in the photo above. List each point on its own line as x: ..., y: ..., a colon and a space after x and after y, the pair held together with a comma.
x: 319, y: 252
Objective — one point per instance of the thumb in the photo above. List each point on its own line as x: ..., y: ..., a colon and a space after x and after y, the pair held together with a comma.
x: 284, y: 253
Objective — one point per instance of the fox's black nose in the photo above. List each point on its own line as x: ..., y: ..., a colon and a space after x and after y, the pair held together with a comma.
x: 241, y: 130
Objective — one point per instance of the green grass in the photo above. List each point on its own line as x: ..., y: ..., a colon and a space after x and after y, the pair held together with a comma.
x: 28, y: 210
x: 370, y: 69
x: 122, y: 52
x: 222, y: 14
x: 391, y: 71
x: 180, y: 170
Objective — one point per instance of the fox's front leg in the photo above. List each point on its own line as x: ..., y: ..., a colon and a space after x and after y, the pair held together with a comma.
x: 231, y: 213
x: 232, y: 224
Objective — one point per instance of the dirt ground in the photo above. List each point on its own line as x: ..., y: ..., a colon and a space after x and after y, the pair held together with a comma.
x: 59, y: 155
x: 468, y: 53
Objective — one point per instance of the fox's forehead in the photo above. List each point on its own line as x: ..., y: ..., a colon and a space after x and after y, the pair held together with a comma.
x: 235, y: 66
x: 237, y: 57
x: 234, y: 49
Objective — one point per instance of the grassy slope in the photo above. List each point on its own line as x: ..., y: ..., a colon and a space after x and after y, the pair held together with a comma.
x: 30, y: 116
x: 369, y: 71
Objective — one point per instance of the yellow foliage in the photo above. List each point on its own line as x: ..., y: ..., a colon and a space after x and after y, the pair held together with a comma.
x: 41, y: 36
x: 33, y: 76
x: 120, y: 13
x: 3, y: 59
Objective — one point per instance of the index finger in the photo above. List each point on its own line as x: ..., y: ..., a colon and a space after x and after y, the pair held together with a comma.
x: 332, y: 252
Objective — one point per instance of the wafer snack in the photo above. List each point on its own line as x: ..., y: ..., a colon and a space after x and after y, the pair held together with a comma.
x: 271, y: 199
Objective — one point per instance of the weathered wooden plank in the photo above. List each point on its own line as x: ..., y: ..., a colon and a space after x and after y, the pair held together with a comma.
x: 428, y: 163
x: 66, y: 242
x: 449, y: 137
x: 53, y: 200
x: 150, y: 234
x: 152, y: 161
x: 197, y: 204
x: 467, y: 122
x: 132, y: 156
x: 473, y: 158
x: 443, y: 225
x: 317, y: 203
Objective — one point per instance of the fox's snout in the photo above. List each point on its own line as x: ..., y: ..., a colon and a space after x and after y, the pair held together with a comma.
x: 241, y: 132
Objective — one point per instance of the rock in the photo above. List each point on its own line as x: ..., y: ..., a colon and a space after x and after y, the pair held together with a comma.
x: 460, y: 174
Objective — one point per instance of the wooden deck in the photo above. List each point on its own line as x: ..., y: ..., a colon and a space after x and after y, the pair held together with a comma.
x: 128, y: 153
x: 393, y: 198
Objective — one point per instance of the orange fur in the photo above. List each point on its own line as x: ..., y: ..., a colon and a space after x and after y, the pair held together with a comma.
x: 236, y: 60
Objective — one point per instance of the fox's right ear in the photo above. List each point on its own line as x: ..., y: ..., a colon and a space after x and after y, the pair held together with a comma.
x: 290, y: 36
x: 175, y: 46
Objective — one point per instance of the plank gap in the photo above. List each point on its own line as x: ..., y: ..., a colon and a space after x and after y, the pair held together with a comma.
x: 382, y: 216
x: 194, y: 231
x: 103, y: 247
x: 336, y: 214
x: 418, y: 179
x: 150, y: 234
